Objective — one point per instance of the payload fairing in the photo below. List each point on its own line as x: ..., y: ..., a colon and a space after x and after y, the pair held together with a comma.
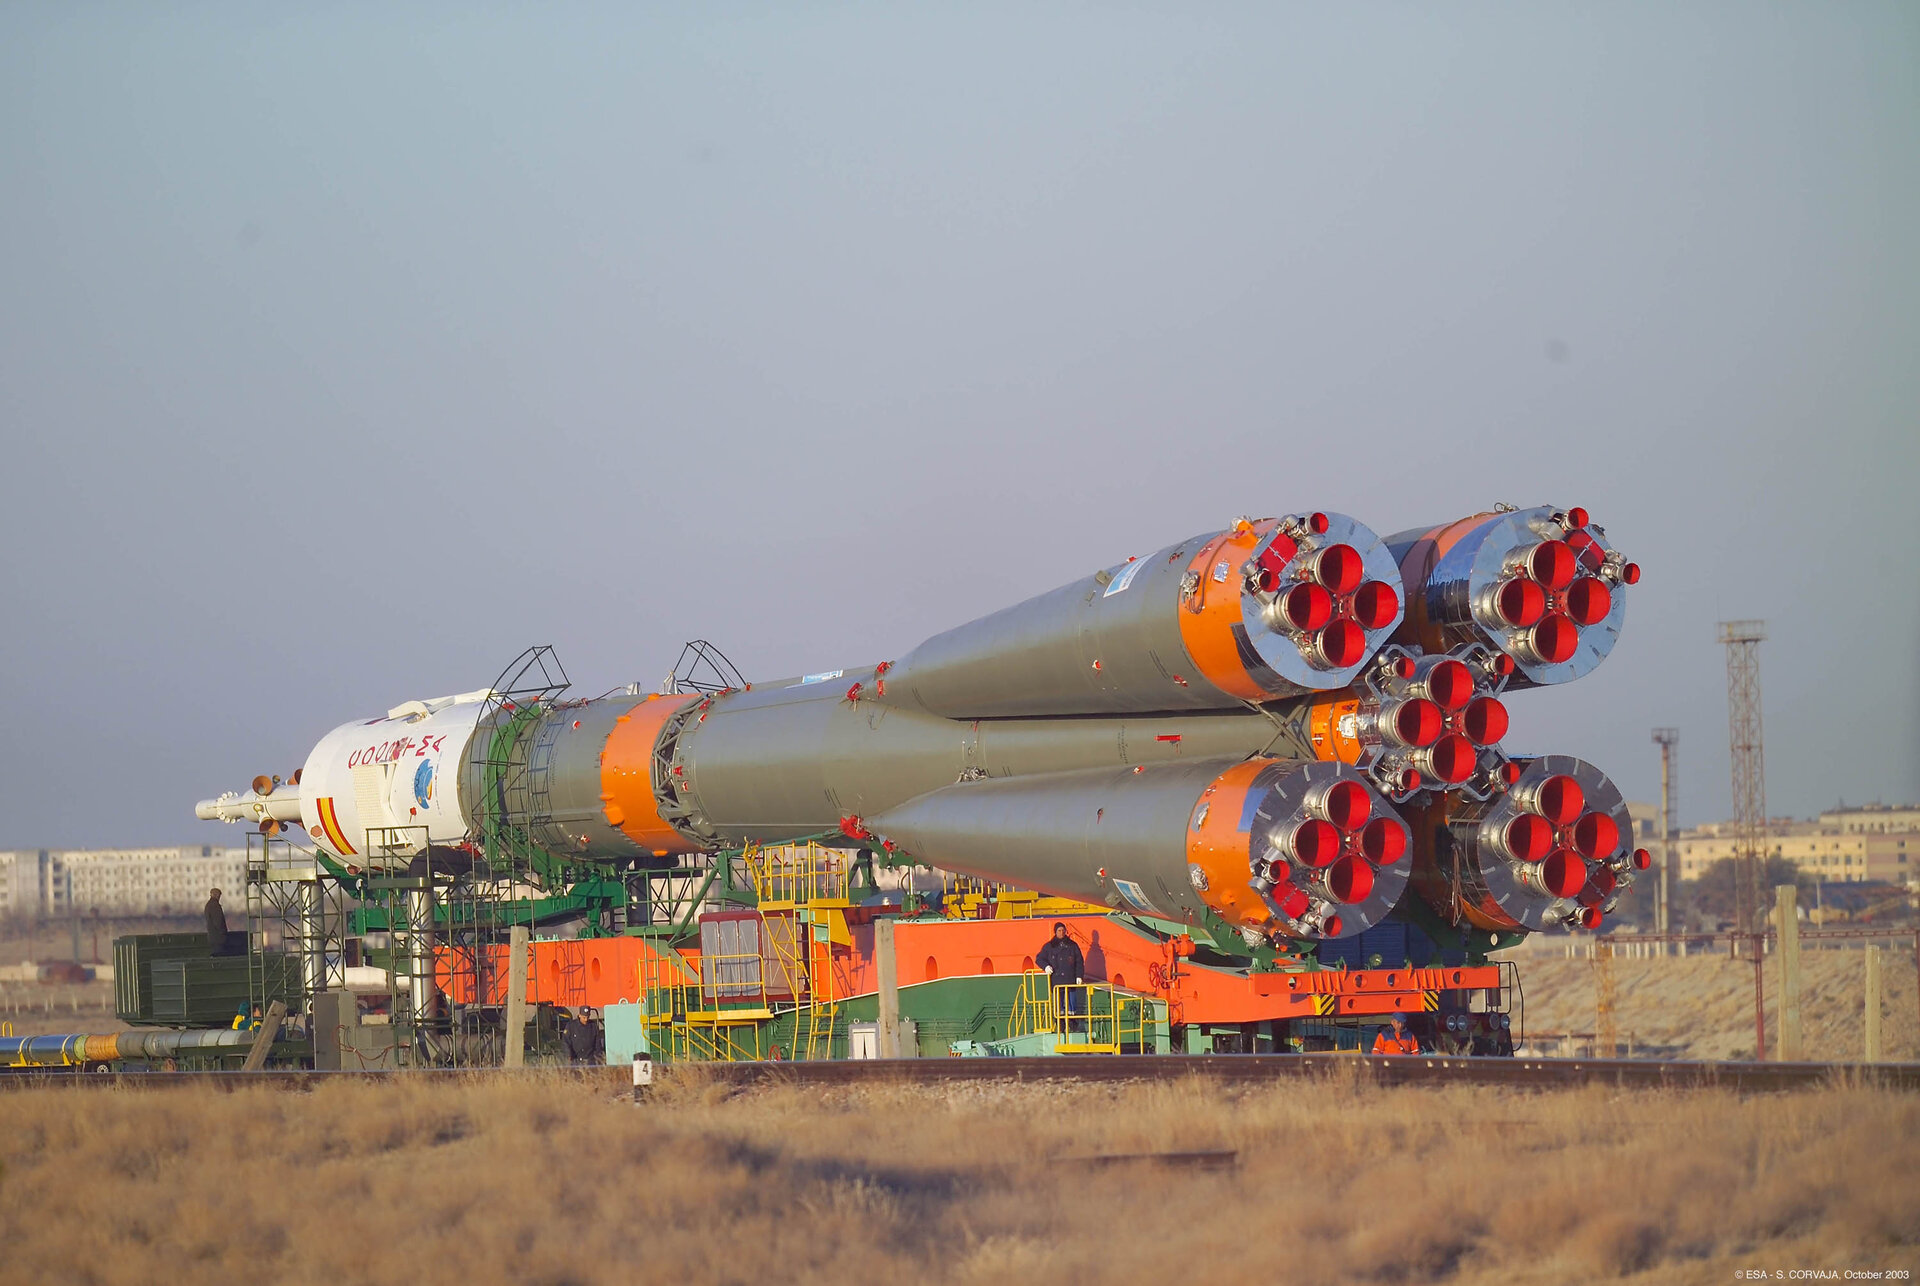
x: 1282, y: 726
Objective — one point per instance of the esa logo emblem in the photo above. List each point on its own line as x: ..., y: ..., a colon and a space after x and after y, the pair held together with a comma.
x: 423, y: 783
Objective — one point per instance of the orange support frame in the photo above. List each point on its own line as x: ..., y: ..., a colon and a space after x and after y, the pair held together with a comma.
x: 603, y: 971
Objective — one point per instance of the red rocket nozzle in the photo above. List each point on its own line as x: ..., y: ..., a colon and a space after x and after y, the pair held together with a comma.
x: 1553, y: 563
x: 1642, y: 860
x: 1339, y: 568
x: 1450, y: 683
x: 1559, y: 799
x: 1340, y: 644
x: 1350, y: 880
x: 1484, y: 720
x: 1588, y: 600
x: 1527, y: 837
x: 1332, y: 925
x: 1316, y: 842
x: 1554, y: 638
x: 1595, y: 836
x: 1563, y: 873
x: 1307, y: 607
x: 1347, y: 805
x: 1521, y: 602
x: 1590, y: 917
x: 1452, y: 758
x: 1410, y: 779
x: 1418, y: 722
x: 1383, y: 841
x: 1577, y: 517
x: 1374, y: 604
x: 1510, y: 772
x: 1630, y: 573
x: 1317, y: 524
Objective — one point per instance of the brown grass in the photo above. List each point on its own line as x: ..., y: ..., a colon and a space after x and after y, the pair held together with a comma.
x: 554, y: 1179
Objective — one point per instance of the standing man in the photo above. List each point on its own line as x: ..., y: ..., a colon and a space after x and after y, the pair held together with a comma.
x: 1397, y: 1039
x: 216, y: 926
x: 1061, y: 958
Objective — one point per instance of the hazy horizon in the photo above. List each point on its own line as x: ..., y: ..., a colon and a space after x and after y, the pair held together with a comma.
x: 347, y: 353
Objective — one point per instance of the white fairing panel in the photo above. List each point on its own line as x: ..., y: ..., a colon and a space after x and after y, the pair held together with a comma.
x: 397, y: 776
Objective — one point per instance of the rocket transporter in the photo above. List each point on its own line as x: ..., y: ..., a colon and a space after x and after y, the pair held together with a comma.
x: 1281, y: 731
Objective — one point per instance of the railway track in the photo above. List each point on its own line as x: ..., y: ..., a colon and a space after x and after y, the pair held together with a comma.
x: 1234, y: 1069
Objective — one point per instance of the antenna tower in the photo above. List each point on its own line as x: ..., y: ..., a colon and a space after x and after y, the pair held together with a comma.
x: 1667, y: 890
x: 1743, y: 639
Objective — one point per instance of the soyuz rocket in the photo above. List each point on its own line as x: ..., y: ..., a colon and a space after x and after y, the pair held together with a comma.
x: 1291, y: 724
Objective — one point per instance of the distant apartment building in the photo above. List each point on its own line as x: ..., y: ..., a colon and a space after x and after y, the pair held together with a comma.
x: 1842, y: 845
x: 1873, y: 819
x: 118, y: 881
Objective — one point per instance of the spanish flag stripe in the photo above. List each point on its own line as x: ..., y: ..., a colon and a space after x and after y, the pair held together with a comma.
x: 331, y: 824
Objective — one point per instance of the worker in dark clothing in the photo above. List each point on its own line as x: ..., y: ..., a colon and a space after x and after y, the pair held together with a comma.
x: 1061, y: 957
x: 579, y: 1040
x: 1062, y: 960
x: 217, y: 937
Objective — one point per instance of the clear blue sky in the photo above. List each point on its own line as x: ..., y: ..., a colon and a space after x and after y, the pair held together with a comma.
x: 346, y: 351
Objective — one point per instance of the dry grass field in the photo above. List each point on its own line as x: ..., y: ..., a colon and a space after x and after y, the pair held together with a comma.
x: 554, y: 1178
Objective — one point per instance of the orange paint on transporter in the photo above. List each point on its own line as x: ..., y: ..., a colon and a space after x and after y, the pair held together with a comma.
x: 570, y: 972
x: 604, y: 971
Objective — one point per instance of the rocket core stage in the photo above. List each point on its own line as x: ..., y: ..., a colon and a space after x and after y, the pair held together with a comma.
x: 1286, y: 724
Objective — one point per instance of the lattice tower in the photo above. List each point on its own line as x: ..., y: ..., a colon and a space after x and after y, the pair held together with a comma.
x: 1744, y: 740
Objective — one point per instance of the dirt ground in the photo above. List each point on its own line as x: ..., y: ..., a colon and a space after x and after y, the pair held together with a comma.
x: 44, y: 940
x: 37, y: 1009
x: 552, y: 1178
x: 1702, y: 1006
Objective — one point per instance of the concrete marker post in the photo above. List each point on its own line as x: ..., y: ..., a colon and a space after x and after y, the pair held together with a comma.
x: 517, y: 996
x: 1786, y: 908
x: 1872, y: 1014
x: 887, y: 963
x: 642, y: 1077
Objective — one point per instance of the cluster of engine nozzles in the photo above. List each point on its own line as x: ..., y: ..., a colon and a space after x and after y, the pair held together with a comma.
x: 1329, y: 853
x: 1436, y: 720
x: 1552, y: 590
x: 1321, y: 598
x: 1466, y: 613
x: 1561, y: 842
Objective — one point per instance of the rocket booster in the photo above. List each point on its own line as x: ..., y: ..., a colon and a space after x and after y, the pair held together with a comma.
x: 1268, y: 723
